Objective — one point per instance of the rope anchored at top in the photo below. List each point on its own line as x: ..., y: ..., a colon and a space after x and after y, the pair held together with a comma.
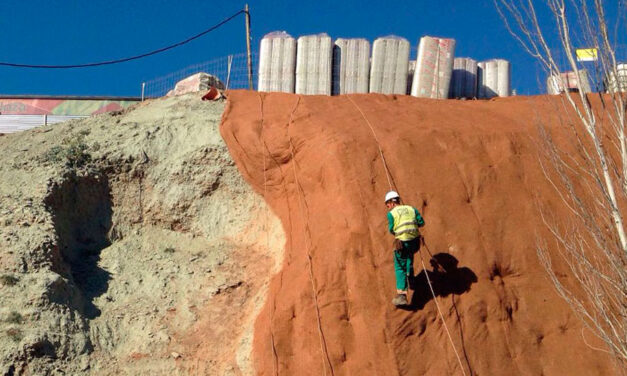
x: 390, y: 183
x: 123, y: 60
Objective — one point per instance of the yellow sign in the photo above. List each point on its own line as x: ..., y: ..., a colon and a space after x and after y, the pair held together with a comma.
x: 586, y: 54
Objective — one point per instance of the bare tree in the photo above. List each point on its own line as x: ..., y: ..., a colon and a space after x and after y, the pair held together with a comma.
x: 592, y: 182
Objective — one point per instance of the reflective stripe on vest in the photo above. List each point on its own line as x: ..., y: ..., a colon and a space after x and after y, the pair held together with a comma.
x: 405, y: 224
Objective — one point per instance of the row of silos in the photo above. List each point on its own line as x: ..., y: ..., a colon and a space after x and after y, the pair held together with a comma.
x: 316, y: 65
x: 313, y: 65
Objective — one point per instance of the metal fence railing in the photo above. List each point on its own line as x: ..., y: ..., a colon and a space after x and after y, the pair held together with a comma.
x: 232, y: 70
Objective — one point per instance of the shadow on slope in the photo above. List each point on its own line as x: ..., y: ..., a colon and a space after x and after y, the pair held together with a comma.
x: 446, y: 277
x: 81, y: 209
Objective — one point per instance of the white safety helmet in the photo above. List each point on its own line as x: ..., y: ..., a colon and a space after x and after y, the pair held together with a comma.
x: 391, y: 195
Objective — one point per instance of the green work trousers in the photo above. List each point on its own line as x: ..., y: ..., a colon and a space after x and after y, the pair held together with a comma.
x: 404, y: 263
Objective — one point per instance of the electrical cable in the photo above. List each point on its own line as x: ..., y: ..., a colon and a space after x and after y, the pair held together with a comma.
x: 123, y: 60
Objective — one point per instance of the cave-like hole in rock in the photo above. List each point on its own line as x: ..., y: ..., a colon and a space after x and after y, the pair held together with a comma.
x: 81, y: 209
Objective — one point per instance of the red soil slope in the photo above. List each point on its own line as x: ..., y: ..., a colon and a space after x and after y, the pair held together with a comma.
x: 472, y: 169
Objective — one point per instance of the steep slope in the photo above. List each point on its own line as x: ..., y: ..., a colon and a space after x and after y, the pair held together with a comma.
x: 130, y: 244
x: 472, y: 169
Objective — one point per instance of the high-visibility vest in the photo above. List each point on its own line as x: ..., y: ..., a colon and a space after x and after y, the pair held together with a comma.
x: 405, y: 223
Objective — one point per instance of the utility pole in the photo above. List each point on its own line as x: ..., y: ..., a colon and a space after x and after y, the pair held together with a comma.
x: 250, y: 56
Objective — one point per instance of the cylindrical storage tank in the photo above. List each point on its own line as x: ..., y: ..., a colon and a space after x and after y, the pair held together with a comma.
x: 494, y: 78
x: 313, y: 64
x: 503, y: 84
x: 457, y: 78
x: 277, y: 62
x: 470, y: 82
x: 481, y: 92
x: 388, y: 72
x: 434, y: 67
x: 464, y: 78
x: 617, y: 85
x: 491, y: 76
x: 351, y: 66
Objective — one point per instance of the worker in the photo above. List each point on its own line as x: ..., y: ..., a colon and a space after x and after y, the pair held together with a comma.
x: 403, y: 223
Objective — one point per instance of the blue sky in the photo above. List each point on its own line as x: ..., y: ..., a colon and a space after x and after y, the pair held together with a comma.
x: 69, y: 32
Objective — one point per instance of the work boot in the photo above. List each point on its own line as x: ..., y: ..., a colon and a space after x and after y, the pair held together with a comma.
x: 400, y: 300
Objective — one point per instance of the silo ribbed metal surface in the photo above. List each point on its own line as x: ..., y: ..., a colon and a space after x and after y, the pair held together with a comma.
x: 351, y: 66
x: 494, y: 78
x: 464, y: 78
x: 313, y: 64
x: 503, y: 81
x: 388, y: 72
x: 277, y: 62
x: 434, y: 67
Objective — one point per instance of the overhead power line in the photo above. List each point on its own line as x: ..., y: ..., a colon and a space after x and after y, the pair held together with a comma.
x: 123, y: 60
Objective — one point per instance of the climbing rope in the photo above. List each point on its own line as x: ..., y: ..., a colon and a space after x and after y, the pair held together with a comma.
x: 275, y: 356
x: 388, y: 175
x: 448, y: 333
x: 374, y: 134
x: 307, y: 231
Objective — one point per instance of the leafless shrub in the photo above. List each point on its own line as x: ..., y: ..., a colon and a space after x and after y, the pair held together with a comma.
x: 592, y: 182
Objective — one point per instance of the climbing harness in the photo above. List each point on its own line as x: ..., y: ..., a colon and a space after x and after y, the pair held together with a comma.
x: 306, y: 230
x: 390, y: 179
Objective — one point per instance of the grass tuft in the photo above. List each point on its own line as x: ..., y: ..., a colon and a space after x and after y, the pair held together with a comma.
x: 15, y: 318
